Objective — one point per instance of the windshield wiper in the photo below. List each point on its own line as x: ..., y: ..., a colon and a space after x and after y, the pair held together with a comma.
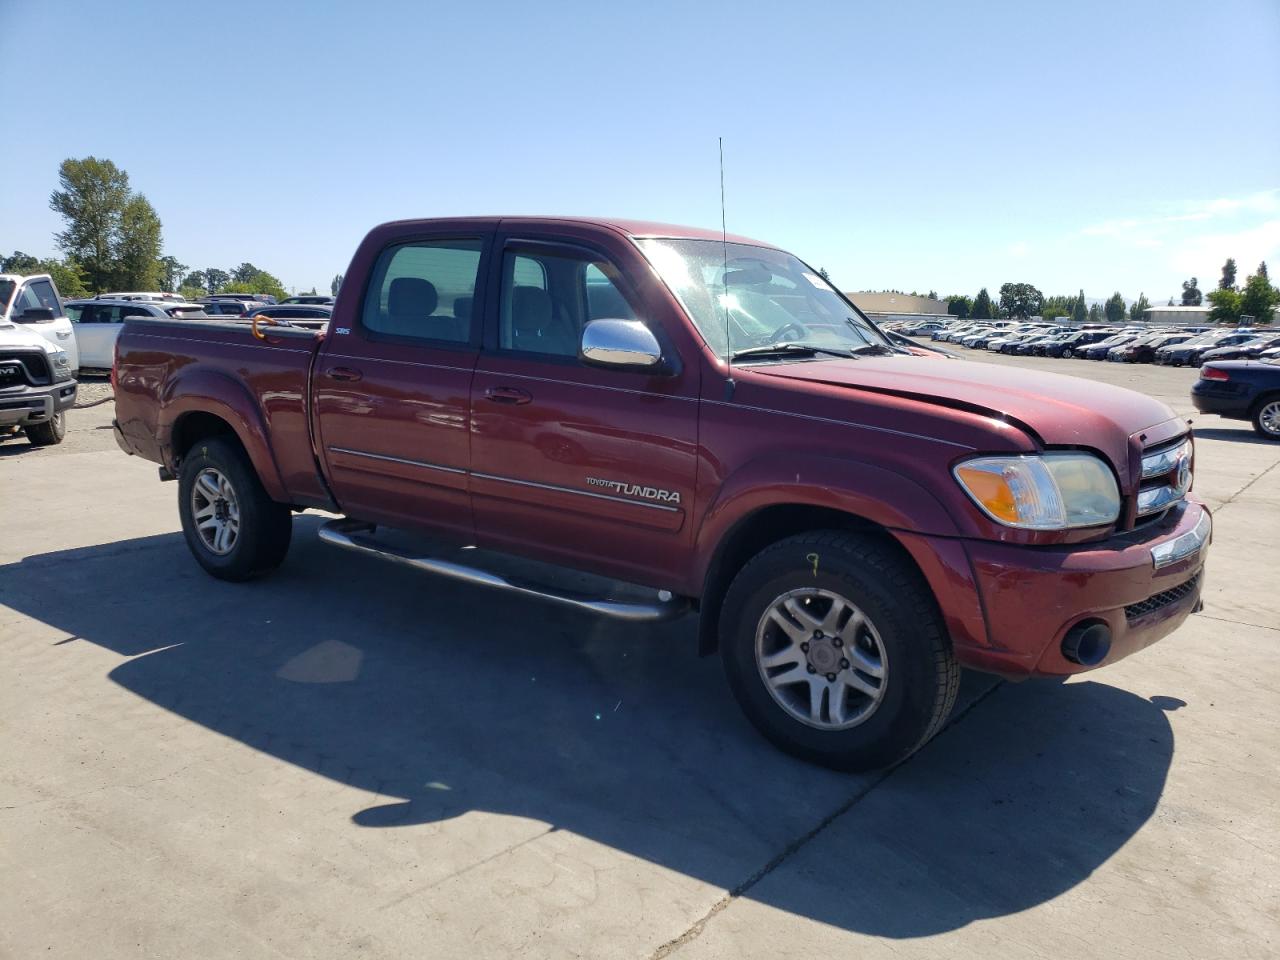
x: 788, y: 349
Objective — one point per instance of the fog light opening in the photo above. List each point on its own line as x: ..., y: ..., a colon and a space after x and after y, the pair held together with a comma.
x: 1087, y: 643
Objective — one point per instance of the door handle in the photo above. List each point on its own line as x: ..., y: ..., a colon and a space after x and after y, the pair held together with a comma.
x: 343, y: 373
x: 63, y: 334
x: 507, y: 395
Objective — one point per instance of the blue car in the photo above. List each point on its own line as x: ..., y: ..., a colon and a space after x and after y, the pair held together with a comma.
x: 1241, y: 390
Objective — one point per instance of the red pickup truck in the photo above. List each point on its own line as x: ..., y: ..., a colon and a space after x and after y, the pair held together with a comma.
x: 708, y: 422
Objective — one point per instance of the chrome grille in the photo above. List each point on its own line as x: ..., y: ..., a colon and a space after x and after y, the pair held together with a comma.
x: 1161, y: 600
x: 1166, y: 476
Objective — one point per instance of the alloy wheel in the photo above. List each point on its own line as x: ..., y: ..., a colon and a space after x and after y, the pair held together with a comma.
x: 216, y: 511
x: 821, y: 659
x: 1269, y: 418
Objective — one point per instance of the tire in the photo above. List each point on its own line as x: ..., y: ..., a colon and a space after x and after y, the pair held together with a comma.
x: 1068, y: 353
x: 885, y: 719
x: 46, y: 434
x: 1266, y: 417
x: 246, y: 533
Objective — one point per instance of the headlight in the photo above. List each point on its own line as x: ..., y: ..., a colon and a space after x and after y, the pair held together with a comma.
x: 1053, y: 491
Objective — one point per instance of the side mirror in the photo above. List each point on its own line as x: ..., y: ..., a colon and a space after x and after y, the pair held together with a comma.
x: 619, y: 343
x: 35, y: 315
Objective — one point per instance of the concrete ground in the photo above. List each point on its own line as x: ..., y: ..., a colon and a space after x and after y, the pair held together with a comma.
x: 350, y: 759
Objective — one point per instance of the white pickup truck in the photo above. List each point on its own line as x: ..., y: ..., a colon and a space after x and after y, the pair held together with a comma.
x: 36, y: 385
x: 33, y: 302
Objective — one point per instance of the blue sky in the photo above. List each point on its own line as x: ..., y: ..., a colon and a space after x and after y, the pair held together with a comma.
x: 1104, y: 145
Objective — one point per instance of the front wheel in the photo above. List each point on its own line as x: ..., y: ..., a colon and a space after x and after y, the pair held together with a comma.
x: 1266, y: 419
x: 233, y: 529
x: 46, y: 434
x: 835, y: 650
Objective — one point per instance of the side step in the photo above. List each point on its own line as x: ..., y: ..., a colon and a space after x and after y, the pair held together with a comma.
x: 358, y: 536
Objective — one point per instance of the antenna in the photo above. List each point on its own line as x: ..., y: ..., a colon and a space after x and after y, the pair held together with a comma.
x: 724, y: 282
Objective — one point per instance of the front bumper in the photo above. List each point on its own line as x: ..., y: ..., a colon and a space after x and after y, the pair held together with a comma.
x: 36, y: 404
x: 1027, y: 598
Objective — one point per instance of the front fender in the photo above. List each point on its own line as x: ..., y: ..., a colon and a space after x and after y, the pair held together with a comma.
x: 873, y: 493
x: 198, y: 389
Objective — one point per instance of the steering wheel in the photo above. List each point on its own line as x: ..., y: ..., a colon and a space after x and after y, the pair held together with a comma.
x: 778, y: 334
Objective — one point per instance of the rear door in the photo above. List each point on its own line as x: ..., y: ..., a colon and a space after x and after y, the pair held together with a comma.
x: 96, y: 331
x: 392, y: 392
x: 590, y: 467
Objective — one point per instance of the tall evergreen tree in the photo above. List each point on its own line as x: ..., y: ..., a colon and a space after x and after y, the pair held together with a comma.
x: 1078, y: 310
x: 1228, y: 281
x: 981, y: 306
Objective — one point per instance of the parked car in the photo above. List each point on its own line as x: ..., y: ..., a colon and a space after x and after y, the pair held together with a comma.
x: 1072, y: 344
x: 1099, y: 350
x: 37, y: 386
x: 1191, y: 351
x: 228, y: 307
x: 313, y: 298
x: 1028, y: 347
x: 1143, y: 349
x: 292, y: 312
x: 603, y: 411
x: 1249, y: 350
x: 33, y: 301
x: 1241, y: 390
x: 97, y: 323
x: 142, y: 295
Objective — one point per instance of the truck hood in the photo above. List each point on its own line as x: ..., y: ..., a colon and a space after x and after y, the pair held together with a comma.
x: 1055, y: 410
x: 14, y: 335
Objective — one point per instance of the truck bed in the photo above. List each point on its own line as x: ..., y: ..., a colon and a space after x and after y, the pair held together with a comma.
x: 167, y: 370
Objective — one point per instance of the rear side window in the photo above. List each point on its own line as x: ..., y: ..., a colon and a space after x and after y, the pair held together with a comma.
x: 424, y: 290
x: 75, y: 312
x: 548, y: 296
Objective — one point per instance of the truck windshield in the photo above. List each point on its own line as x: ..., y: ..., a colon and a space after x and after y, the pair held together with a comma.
x: 741, y: 296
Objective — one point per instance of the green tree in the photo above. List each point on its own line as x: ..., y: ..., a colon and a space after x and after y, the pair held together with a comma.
x: 1224, y: 305
x: 933, y: 294
x: 1140, y: 306
x: 258, y: 282
x: 244, y: 273
x: 1020, y: 300
x: 215, y: 279
x: 1114, y: 308
x: 196, y: 279
x: 20, y: 263
x: 1262, y: 271
x: 335, y: 284
x: 958, y: 305
x: 1191, y: 295
x: 1259, y: 298
x: 981, y: 306
x: 1228, y: 281
x: 1078, y: 309
x: 171, y: 273
x: 91, y: 201
x: 1095, y: 313
x: 67, y: 275
x: 138, y: 250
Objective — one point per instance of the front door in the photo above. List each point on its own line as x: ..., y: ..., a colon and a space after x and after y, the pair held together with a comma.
x: 392, y: 391
x: 590, y: 467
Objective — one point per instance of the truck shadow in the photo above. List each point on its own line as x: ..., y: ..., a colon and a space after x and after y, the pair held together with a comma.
x: 441, y: 700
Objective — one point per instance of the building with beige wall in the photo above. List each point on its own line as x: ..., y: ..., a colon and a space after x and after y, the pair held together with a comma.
x: 897, y: 303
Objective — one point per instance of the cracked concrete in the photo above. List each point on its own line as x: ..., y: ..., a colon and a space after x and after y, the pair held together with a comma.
x: 347, y: 758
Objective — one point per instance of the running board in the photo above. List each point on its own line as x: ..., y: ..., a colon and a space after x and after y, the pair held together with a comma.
x: 358, y: 536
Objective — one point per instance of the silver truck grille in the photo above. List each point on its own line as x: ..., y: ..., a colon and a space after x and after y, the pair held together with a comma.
x: 1166, y: 476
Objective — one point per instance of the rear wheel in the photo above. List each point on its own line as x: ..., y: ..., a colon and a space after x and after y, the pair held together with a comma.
x: 835, y: 650
x: 233, y: 529
x: 1266, y: 419
x: 52, y: 431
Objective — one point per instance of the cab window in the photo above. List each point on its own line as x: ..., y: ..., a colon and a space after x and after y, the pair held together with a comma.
x: 549, y: 295
x: 424, y: 290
